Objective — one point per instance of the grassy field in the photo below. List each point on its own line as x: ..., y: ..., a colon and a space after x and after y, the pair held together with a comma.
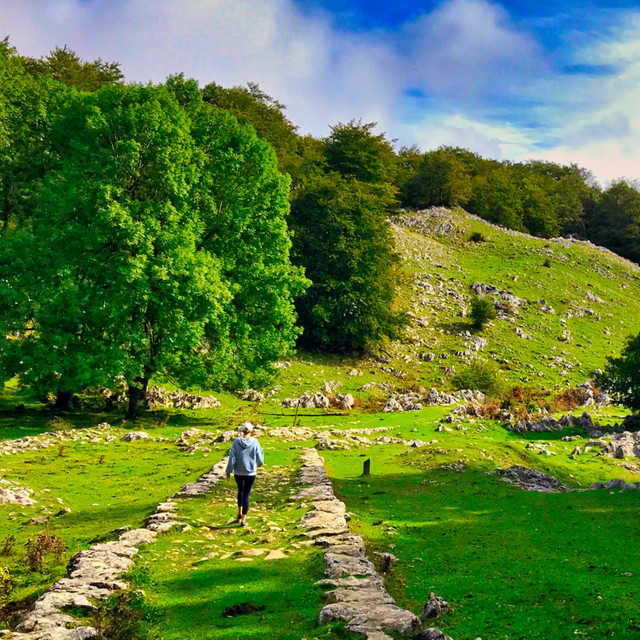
x: 513, y: 564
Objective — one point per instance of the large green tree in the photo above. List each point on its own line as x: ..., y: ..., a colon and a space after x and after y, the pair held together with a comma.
x: 441, y: 178
x: 343, y: 239
x: 27, y: 108
x: 158, y: 248
x: 622, y: 374
x: 251, y: 105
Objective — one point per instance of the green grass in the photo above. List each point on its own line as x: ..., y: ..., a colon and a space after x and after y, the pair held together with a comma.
x: 513, y: 564
x: 122, y: 491
x: 191, y: 592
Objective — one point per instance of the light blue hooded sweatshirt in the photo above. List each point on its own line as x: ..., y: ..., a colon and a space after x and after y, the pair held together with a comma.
x: 245, y: 457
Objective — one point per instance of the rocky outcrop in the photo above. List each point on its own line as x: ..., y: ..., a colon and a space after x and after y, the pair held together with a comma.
x: 435, y: 607
x: 14, y: 494
x: 135, y: 435
x: 345, y: 401
x: 250, y: 395
x: 530, y: 479
x: 615, y: 484
x: 102, y: 433
x: 527, y: 426
x: 307, y: 400
x: 415, y: 401
x: 358, y: 597
x: 160, y: 397
x: 550, y: 424
x: 624, y: 445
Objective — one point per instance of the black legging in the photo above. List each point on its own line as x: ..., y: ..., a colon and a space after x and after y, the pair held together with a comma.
x: 245, y: 483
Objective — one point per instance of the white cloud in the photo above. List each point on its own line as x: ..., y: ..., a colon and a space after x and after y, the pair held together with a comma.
x: 472, y: 63
x: 602, y: 130
x: 465, y: 47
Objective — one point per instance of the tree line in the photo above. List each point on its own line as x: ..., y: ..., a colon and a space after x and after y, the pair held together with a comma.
x: 193, y: 234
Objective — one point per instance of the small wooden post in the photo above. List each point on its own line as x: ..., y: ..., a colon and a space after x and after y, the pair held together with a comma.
x: 296, y: 416
x: 366, y: 467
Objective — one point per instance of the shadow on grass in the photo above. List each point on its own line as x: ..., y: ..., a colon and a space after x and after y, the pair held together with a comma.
x: 502, y: 556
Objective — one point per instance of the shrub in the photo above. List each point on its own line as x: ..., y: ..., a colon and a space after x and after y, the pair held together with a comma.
x: 523, y: 400
x: 476, y: 236
x: 489, y: 410
x: 125, y: 616
x: 7, y: 583
x: 547, y: 263
x: 482, y: 310
x: 622, y: 375
x: 567, y: 400
x: 40, y: 547
x: 7, y: 547
x: 482, y: 375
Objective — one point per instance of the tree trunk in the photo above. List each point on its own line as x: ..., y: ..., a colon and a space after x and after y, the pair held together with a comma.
x: 137, y: 397
x: 64, y: 400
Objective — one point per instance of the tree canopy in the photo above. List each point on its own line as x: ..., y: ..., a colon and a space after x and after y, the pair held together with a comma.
x: 344, y: 241
x: 158, y: 247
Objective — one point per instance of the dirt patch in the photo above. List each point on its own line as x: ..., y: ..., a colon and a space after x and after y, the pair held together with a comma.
x: 243, y: 609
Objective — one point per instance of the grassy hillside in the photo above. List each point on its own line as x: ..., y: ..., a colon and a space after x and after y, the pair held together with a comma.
x: 595, y: 296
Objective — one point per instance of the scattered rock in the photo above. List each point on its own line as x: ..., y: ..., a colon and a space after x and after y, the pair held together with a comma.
x: 432, y: 634
x: 251, y: 395
x: 330, y: 386
x: 308, y: 401
x: 435, y: 607
x: 615, y: 484
x: 16, y: 495
x: 530, y: 479
x: 346, y: 401
x: 135, y: 435
x: 624, y: 445
x: 160, y: 397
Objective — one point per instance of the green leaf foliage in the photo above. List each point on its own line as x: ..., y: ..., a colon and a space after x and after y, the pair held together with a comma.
x: 354, y: 150
x: 342, y: 238
x: 482, y: 311
x: 65, y: 66
x: 158, y: 247
x: 441, y: 178
x: 615, y: 223
x: 251, y: 105
x: 481, y: 375
x: 622, y: 374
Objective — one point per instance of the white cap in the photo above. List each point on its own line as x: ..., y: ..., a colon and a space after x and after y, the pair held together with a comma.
x: 247, y: 427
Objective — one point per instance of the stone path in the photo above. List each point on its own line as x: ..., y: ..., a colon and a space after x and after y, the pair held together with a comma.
x: 97, y: 572
x: 359, y: 596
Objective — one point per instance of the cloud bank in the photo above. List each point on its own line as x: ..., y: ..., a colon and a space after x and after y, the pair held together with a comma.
x: 466, y: 73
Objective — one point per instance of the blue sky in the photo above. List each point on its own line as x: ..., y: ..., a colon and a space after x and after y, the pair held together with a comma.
x: 510, y: 80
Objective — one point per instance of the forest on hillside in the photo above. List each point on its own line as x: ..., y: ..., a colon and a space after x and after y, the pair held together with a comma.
x: 193, y: 234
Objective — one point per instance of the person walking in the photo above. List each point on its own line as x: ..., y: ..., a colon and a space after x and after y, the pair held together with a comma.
x: 245, y: 457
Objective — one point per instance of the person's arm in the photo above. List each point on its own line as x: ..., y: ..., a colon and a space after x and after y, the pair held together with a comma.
x: 259, y: 455
x: 232, y: 460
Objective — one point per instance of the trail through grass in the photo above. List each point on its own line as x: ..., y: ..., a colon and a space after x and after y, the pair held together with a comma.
x: 193, y: 575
